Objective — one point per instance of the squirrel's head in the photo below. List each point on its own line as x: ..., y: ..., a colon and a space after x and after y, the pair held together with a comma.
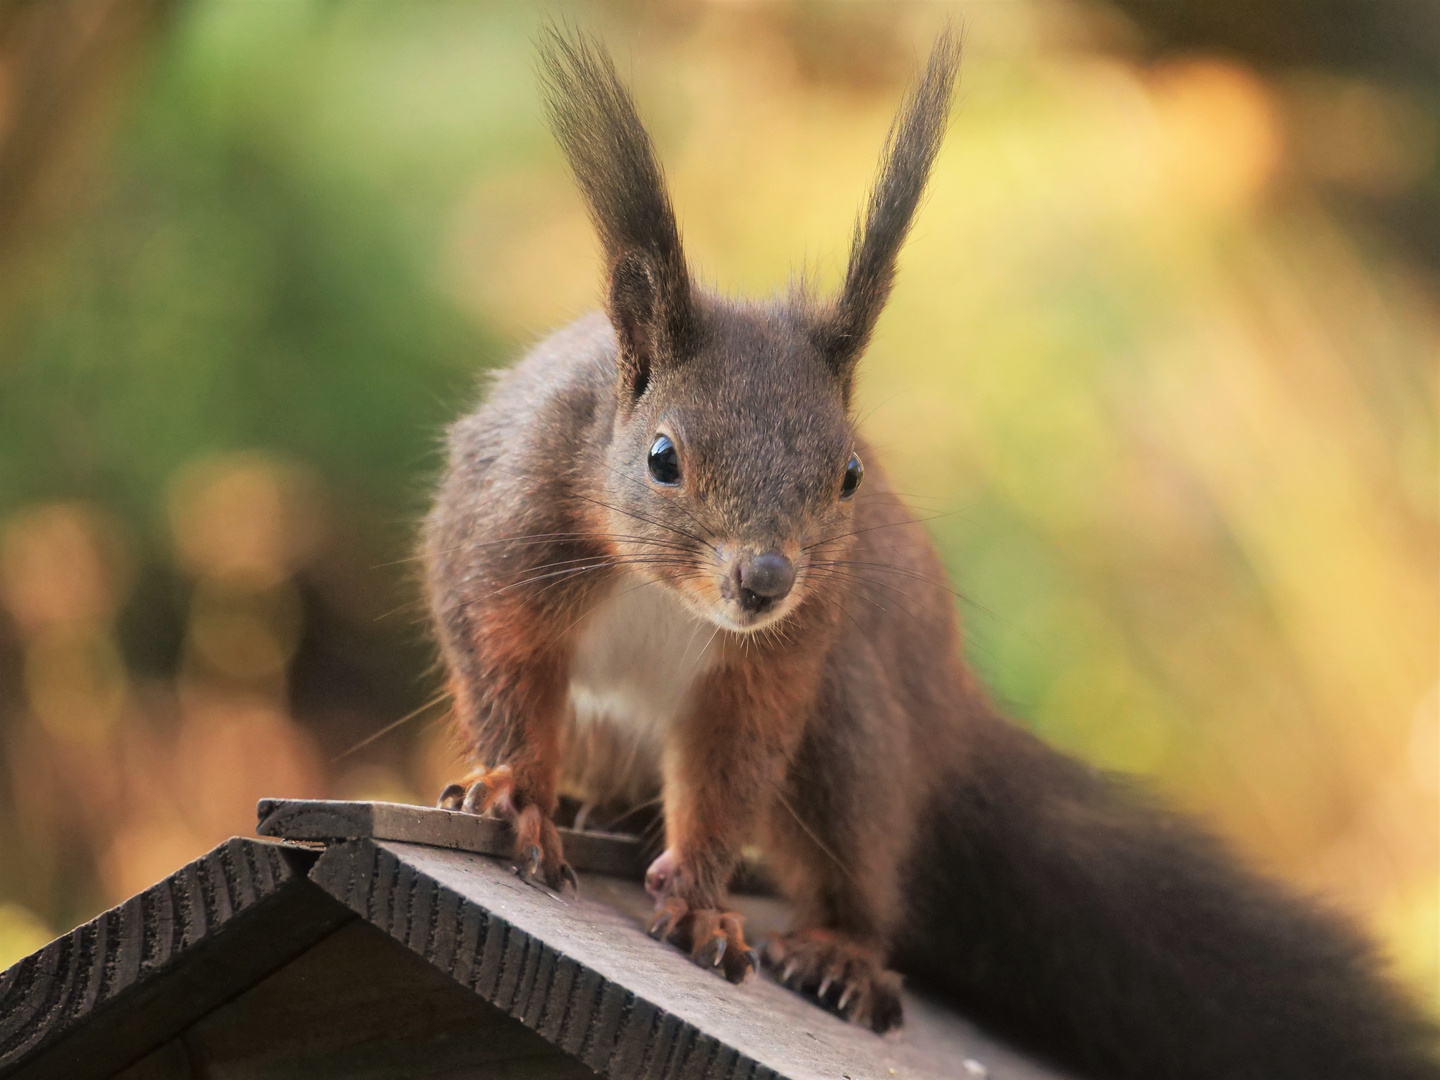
x: 734, y: 466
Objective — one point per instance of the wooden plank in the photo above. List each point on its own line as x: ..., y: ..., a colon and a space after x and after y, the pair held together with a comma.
x: 124, y: 983
x: 358, y: 1006
x: 632, y: 1006
x: 578, y: 974
x: 326, y: 820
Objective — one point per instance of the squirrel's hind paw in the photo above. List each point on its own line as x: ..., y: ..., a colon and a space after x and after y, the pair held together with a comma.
x: 838, y: 974
x: 538, y: 853
x: 713, y: 938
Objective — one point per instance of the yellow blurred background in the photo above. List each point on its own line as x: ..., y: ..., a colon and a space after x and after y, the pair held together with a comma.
x: 1160, y: 371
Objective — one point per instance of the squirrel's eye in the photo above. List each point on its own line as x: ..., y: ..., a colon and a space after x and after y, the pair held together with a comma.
x: 664, y: 461
x: 854, y: 473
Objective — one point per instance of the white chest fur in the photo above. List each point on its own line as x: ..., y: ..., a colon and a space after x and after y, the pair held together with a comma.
x: 636, y: 662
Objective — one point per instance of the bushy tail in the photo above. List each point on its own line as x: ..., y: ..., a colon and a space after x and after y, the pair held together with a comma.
x: 1061, y: 910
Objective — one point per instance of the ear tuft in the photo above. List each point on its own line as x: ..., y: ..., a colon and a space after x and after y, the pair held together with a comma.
x: 910, y: 151
x: 595, y: 122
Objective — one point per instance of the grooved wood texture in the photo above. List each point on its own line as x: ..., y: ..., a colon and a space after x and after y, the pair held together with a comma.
x: 586, y: 977
x: 109, y: 990
x: 377, y: 959
x: 324, y: 819
x: 357, y: 1006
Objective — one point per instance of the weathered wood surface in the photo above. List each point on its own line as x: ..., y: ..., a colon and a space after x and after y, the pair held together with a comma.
x: 323, y: 819
x: 588, y: 979
x: 357, y: 1006
x: 260, y: 960
x: 95, y: 999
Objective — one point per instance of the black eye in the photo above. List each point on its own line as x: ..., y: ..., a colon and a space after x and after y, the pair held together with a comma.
x: 854, y: 473
x: 664, y: 461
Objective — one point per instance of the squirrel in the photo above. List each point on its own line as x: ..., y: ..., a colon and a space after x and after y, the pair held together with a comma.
x: 655, y: 565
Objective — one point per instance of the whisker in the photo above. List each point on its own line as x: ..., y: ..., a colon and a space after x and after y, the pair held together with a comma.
x: 927, y: 579
x: 643, y: 487
x: 864, y: 582
x: 780, y: 795
x: 658, y: 800
x: 534, y: 539
x: 582, y: 616
x: 594, y: 564
x: 836, y: 605
x: 872, y: 528
x: 436, y: 700
x: 616, y: 509
x: 622, y: 559
x: 648, y: 521
x: 889, y: 568
x: 407, y: 605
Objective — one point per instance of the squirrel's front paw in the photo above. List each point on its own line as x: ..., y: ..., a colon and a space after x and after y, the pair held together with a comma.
x: 714, y: 939
x: 839, y: 974
x: 538, y: 853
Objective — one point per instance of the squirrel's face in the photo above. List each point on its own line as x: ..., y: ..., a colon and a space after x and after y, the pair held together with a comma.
x: 735, y: 468
x: 733, y: 460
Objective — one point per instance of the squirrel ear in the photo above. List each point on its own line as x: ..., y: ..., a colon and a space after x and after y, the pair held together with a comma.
x: 633, y: 307
x: 915, y: 136
x: 594, y: 120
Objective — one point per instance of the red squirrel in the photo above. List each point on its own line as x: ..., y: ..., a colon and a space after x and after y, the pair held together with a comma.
x: 662, y: 563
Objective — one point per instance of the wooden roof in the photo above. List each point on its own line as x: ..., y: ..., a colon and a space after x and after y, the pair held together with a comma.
x: 288, y: 941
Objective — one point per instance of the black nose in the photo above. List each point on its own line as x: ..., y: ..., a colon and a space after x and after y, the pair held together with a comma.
x: 764, y: 579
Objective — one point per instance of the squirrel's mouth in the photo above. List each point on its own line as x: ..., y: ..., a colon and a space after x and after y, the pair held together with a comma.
x: 742, y: 618
x: 750, y: 592
x: 742, y: 591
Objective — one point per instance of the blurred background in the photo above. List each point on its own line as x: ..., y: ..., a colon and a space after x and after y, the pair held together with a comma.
x: 1160, y: 371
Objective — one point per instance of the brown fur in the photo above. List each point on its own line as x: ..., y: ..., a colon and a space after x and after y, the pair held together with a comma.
x: 834, y: 723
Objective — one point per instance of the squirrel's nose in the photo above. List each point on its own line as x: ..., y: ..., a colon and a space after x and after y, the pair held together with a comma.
x: 765, y: 578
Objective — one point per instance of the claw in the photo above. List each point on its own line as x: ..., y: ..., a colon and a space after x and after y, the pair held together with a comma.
x: 567, y: 876
x: 719, y: 952
x: 753, y: 957
x: 475, y: 798
x: 822, y: 966
x: 451, y: 798
x: 535, y: 860
x: 660, y: 928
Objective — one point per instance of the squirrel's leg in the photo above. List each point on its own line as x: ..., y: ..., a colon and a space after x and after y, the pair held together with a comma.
x: 834, y: 840
x: 723, y: 761
x: 510, y: 699
x: 837, y: 956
